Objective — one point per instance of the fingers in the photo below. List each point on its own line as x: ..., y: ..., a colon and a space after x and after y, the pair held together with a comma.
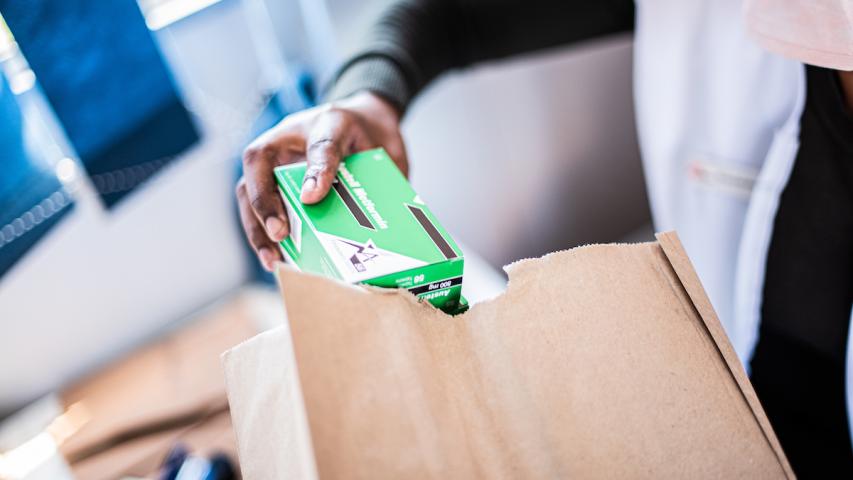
x: 323, y: 136
x: 265, y: 248
x: 335, y: 134
x: 397, y: 151
x: 259, y: 160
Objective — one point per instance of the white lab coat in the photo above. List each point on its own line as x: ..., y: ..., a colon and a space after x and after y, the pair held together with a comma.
x: 718, y: 120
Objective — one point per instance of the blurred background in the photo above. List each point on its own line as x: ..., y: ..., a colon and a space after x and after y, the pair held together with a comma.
x: 123, y: 126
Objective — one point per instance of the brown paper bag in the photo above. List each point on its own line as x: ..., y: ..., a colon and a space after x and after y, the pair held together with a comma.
x: 604, y: 361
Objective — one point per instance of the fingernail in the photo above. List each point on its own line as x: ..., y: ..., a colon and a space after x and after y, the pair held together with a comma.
x: 275, y: 227
x: 267, y: 258
x: 309, y: 184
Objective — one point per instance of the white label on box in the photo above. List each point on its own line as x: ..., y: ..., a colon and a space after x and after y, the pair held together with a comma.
x: 295, y: 224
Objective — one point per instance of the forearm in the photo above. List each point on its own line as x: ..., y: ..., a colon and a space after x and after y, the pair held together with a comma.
x: 417, y: 40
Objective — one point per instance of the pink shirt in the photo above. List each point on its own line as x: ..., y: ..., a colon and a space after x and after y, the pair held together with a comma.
x: 817, y: 32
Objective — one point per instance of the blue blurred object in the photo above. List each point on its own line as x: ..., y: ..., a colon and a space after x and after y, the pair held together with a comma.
x: 173, y: 461
x: 180, y: 465
x: 298, y: 93
x: 105, y: 78
x: 221, y: 468
x: 32, y: 199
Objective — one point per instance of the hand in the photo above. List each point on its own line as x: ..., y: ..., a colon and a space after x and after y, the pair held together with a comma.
x: 322, y: 136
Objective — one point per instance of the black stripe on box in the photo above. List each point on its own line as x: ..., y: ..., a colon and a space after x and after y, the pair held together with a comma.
x: 433, y: 232
x: 352, y: 205
x: 439, y: 285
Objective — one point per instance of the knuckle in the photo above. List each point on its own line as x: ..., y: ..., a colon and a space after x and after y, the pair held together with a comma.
x: 325, y: 144
x: 332, y: 109
x: 257, y: 238
x: 257, y: 152
x: 347, y: 118
x: 240, y: 188
x: 258, y: 203
x: 251, y: 152
x: 317, y: 169
x: 337, y: 114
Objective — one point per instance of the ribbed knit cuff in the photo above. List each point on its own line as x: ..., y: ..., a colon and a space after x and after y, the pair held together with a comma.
x: 375, y: 74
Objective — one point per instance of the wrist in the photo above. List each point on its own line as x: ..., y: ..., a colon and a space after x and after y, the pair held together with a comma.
x: 371, y: 103
x: 375, y: 74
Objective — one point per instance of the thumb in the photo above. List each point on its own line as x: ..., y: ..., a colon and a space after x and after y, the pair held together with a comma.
x: 324, y: 150
x: 323, y: 159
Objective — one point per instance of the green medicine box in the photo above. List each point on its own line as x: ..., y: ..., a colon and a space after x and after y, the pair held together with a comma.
x: 372, y: 228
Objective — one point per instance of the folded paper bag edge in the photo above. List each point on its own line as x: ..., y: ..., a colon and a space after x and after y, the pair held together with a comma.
x: 252, y: 357
x: 674, y: 251
x: 517, y: 270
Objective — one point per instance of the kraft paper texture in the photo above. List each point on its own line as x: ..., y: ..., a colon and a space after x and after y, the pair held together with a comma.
x: 604, y: 361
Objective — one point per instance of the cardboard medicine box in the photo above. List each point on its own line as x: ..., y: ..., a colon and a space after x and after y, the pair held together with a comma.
x: 373, y: 229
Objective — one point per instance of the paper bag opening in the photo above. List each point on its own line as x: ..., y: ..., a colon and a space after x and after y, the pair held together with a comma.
x: 604, y: 361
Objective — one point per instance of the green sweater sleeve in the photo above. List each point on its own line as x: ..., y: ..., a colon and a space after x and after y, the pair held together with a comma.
x: 415, y: 41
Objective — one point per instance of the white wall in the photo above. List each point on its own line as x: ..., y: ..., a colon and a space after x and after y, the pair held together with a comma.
x: 536, y: 155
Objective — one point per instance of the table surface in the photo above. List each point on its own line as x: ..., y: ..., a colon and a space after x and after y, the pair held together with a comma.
x: 171, y: 391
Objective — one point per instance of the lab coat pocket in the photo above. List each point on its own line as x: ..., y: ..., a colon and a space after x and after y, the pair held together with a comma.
x: 727, y: 178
